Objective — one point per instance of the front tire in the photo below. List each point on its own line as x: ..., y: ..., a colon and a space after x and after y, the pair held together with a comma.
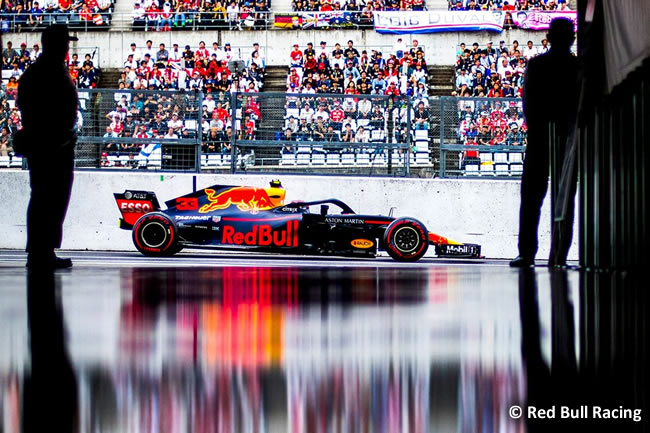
x: 406, y: 240
x: 155, y: 234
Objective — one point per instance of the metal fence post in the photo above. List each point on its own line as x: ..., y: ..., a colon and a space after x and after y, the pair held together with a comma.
x: 199, y: 137
x: 233, y: 139
x: 407, y: 162
x: 443, y: 154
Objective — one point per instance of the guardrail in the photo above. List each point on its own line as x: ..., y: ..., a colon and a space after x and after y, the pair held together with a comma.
x: 82, y: 21
x: 481, y: 161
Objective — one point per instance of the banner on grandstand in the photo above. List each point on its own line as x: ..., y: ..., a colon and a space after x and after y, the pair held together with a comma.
x: 541, y: 20
x: 438, y: 21
x: 310, y: 20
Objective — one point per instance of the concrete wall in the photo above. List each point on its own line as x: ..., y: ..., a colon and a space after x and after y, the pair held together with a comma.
x: 440, y: 47
x: 478, y: 211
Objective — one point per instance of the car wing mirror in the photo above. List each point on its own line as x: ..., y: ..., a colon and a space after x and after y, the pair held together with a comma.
x: 391, y: 211
x: 324, y: 209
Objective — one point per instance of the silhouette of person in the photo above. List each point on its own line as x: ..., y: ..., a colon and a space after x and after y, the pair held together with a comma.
x: 550, y: 97
x: 47, y: 99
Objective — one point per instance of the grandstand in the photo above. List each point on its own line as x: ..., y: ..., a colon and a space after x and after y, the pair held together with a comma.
x: 262, y: 78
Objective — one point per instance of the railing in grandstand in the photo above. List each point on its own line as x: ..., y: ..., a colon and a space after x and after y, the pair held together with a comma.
x: 87, y: 21
x: 202, y: 20
x: 481, y: 137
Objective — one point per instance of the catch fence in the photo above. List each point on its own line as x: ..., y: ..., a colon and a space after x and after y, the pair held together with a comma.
x: 275, y: 132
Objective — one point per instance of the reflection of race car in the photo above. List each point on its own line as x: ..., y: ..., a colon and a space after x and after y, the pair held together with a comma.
x: 249, y: 218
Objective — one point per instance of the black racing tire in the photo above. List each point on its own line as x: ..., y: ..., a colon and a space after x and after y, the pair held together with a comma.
x: 406, y: 240
x: 155, y: 234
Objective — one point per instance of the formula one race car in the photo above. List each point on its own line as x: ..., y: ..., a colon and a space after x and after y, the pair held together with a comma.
x: 256, y: 219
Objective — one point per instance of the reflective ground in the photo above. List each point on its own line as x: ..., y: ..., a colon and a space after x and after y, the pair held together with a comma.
x: 440, y: 348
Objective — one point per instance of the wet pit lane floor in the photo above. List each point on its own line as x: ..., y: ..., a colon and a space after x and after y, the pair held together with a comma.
x: 234, y: 343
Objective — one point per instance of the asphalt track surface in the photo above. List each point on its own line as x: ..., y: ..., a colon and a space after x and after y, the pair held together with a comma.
x: 193, y: 258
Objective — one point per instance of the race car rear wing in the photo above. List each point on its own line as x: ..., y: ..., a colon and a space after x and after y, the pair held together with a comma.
x: 134, y: 204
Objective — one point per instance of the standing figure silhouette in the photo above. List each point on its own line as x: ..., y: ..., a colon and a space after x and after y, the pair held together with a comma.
x: 550, y: 97
x: 47, y: 99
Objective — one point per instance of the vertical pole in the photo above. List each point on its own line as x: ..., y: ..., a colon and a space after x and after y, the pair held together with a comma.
x: 390, y: 152
x: 407, y: 162
x: 233, y: 139
x: 443, y: 153
x: 199, y: 136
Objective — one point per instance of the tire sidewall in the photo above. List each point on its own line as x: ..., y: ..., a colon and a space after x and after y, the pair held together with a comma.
x: 168, y: 246
x: 418, y: 251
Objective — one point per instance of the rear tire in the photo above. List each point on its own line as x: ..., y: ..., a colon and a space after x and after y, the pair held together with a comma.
x: 406, y: 240
x: 155, y: 235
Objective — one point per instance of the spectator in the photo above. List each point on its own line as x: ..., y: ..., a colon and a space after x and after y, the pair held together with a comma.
x: 421, y: 117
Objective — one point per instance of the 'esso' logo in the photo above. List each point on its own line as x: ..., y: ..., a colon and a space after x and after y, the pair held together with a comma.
x: 362, y: 243
x: 135, y: 207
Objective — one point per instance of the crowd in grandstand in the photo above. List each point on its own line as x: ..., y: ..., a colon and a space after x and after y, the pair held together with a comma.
x: 209, y: 69
x: 203, y: 14
x: 348, y: 71
x: 20, y: 15
x: 508, y: 5
x: 349, y: 119
x: 491, y: 123
x: 83, y: 73
x: 494, y: 72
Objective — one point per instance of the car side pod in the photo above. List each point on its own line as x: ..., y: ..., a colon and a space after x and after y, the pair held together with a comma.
x: 406, y: 240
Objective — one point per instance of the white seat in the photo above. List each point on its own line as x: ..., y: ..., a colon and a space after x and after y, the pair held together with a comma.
x: 422, y: 158
x: 16, y: 161
x: 363, y: 159
x: 333, y: 158
x: 347, y: 158
x: 288, y: 159
x: 377, y: 136
x: 363, y: 122
x: 516, y: 169
x: 471, y: 170
x: 317, y: 158
x: 302, y: 158
x: 500, y: 157
x: 501, y: 169
x: 4, y: 160
x: 487, y: 169
x: 295, y: 112
x: 397, y: 159
x: 516, y: 158
x: 213, y: 160
x: 6, y: 74
x: 486, y: 157
x: 421, y: 135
